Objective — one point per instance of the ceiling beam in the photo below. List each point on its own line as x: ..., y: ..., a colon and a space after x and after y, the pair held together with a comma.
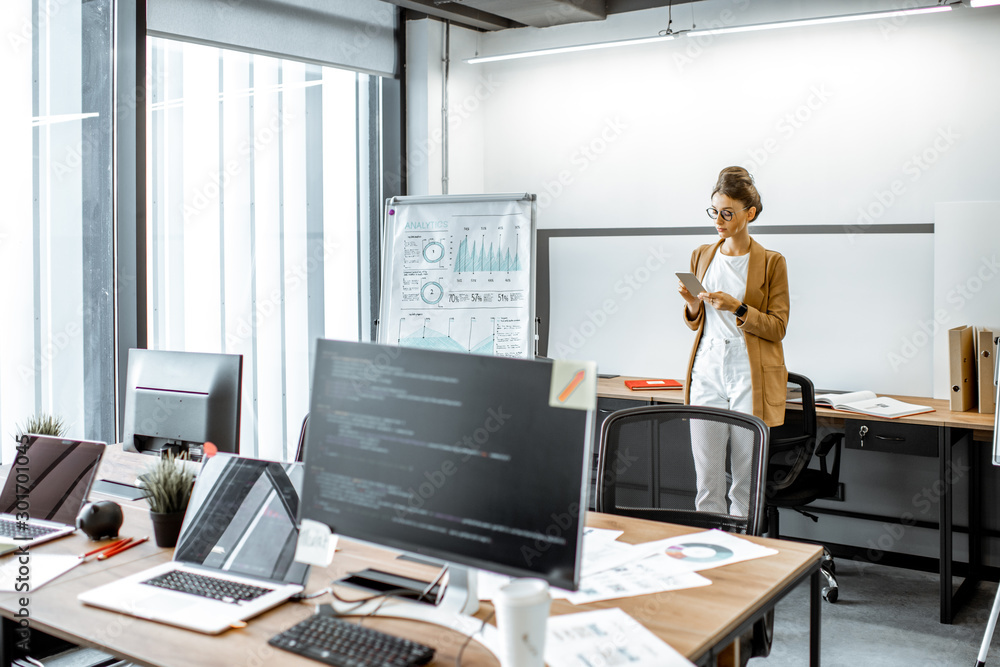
x: 461, y: 14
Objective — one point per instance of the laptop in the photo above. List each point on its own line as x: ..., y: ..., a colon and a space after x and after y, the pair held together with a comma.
x: 235, y: 554
x: 47, y: 485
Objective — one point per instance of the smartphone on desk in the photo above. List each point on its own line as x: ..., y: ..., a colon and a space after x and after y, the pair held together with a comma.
x: 692, y: 283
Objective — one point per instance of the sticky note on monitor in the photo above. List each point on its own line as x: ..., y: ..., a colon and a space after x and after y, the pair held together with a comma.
x: 573, y: 385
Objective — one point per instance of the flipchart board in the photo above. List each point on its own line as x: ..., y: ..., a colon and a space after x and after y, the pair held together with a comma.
x: 459, y: 274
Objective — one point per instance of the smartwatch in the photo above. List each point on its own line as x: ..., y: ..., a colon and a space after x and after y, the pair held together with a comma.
x: 742, y: 311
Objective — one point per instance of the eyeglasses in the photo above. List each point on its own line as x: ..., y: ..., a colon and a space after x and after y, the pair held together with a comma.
x: 727, y: 215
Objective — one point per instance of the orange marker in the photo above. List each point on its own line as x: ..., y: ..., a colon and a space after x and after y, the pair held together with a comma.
x: 571, y: 387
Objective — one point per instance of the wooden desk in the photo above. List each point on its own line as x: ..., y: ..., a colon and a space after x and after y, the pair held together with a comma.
x: 698, y: 622
x: 945, y: 430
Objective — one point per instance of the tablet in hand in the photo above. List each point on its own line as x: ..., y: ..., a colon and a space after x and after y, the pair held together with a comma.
x: 692, y: 283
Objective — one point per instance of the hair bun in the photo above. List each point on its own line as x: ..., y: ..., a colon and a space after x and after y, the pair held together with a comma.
x: 737, y: 183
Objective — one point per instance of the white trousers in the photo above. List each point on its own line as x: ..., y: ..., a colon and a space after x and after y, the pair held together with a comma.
x: 720, y: 378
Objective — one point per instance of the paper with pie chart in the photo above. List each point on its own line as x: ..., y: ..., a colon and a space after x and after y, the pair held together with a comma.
x: 458, y: 275
x: 711, y: 548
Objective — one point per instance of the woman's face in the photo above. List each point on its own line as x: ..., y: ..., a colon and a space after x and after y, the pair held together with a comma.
x: 740, y: 218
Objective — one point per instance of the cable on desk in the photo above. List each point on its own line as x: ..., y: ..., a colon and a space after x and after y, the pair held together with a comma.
x: 303, y: 596
x: 461, y: 650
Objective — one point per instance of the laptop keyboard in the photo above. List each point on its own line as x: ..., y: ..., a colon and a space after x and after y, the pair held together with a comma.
x: 223, y: 590
x: 19, y: 529
x: 337, y: 642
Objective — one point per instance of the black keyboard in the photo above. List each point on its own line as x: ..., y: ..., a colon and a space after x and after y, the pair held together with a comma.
x: 337, y: 642
x: 223, y: 590
x: 10, y: 528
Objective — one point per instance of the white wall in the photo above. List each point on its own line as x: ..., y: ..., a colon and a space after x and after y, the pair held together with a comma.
x: 845, y: 124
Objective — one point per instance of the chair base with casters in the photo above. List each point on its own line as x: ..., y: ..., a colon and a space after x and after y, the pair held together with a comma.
x: 810, y: 485
x: 828, y: 568
x: 791, y: 483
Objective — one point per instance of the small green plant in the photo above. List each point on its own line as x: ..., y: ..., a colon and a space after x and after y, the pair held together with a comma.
x: 167, y: 484
x: 41, y: 424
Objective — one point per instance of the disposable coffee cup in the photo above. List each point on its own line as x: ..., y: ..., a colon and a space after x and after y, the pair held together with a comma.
x: 522, y: 609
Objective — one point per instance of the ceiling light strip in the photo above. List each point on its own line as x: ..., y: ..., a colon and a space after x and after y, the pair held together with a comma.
x: 719, y: 31
x: 821, y: 20
x: 569, y: 49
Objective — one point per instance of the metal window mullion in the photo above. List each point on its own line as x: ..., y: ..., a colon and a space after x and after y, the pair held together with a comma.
x: 368, y: 152
x: 158, y: 127
x: 36, y: 166
x: 253, y: 264
x: 222, y: 206
x: 315, y: 285
x: 97, y: 241
x: 281, y: 260
x: 131, y: 92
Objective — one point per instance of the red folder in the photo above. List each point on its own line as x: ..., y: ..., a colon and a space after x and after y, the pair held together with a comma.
x: 644, y: 385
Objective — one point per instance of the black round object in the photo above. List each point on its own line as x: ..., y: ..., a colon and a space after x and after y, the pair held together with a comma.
x: 100, y: 520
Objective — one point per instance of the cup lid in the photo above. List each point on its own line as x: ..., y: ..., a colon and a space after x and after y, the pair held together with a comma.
x: 525, y: 591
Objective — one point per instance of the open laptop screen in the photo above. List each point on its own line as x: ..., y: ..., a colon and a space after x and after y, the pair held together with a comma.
x: 242, y: 519
x: 56, y: 475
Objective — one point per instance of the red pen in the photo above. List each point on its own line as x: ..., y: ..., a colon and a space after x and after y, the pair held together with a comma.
x: 107, y: 547
x: 124, y: 547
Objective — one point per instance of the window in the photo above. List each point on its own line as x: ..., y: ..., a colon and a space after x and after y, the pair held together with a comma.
x: 253, y: 221
x: 56, y: 234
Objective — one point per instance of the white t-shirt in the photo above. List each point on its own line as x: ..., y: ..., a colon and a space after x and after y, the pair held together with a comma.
x: 725, y: 274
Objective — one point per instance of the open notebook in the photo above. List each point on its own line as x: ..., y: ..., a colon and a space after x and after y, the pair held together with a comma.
x: 868, y: 403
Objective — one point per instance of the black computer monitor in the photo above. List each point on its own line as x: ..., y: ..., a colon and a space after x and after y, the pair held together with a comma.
x: 460, y: 458
x: 178, y: 401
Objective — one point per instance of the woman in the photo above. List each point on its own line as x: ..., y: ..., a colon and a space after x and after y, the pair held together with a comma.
x: 737, y: 362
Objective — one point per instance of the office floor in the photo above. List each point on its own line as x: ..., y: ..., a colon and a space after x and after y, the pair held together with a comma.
x: 885, y: 616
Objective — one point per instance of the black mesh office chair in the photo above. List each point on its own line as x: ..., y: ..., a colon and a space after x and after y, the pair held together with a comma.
x: 791, y: 483
x: 657, y: 462
x: 300, y: 451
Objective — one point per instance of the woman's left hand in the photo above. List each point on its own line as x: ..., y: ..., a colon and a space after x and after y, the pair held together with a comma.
x: 720, y: 301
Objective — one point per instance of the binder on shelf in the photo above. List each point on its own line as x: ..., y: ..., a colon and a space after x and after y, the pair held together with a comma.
x: 962, y: 368
x: 985, y: 361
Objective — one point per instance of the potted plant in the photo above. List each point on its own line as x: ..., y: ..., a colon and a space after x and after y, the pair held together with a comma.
x: 41, y: 424
x: 167, y: 484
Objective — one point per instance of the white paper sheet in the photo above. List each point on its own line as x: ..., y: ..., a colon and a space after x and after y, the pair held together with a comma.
x: 607, y: 637
x: 712, y: 548
x: 41, y: 569
x: 654, y: 574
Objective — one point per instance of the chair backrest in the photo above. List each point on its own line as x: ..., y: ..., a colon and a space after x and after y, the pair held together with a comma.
x: 792, y: 444
x: 300, y: 451
x: 684, y: 464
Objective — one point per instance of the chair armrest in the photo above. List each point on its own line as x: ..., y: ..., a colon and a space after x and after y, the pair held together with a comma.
x: 828, y: 443
x: 831, y: 442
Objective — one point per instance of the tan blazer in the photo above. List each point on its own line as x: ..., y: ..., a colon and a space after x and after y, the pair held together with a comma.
x: 763, y: 328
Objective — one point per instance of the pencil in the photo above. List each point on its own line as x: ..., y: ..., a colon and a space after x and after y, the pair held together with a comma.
x: 124, y: 547
x: 106, y: 547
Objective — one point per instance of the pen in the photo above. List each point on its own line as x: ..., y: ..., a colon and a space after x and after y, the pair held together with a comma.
x: 124, y: 547
x: 106, y: 547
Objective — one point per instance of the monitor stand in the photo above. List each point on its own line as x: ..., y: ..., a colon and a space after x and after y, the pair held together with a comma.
x: 451, y: 608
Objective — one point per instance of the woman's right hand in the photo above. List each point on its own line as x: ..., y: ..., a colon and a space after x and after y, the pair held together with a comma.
x: 693, y: 302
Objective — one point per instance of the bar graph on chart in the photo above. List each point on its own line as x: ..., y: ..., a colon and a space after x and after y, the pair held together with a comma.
x: 487, y: 257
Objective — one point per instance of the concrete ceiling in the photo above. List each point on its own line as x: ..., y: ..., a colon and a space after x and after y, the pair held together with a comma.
x: 502, y: 14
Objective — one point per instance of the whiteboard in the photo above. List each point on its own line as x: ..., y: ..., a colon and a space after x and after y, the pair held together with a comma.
x: 856, y: 302
x: 458, y: 274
